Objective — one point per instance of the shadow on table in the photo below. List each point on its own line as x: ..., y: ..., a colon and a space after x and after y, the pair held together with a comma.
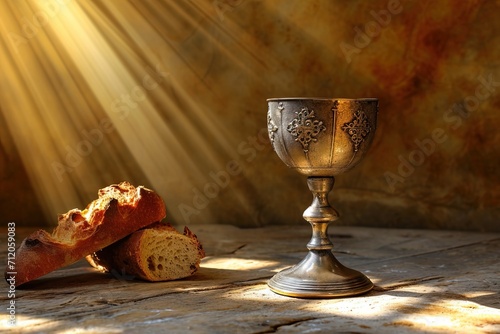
x: 81, y: 277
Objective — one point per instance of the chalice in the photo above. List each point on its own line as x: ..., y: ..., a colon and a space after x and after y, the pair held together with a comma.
x: 321, y: 137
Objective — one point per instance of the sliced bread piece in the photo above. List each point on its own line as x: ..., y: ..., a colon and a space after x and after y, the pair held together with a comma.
x: 155, y: 253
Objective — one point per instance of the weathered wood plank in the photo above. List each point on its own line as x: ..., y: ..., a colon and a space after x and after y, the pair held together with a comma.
x: 436, y: 281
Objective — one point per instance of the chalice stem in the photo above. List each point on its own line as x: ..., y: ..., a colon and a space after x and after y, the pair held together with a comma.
x: 320, y: 213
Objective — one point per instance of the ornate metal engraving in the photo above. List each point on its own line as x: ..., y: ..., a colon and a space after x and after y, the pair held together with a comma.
x: 358, y: 128
x: 271, y: 127
x: 304, y: 128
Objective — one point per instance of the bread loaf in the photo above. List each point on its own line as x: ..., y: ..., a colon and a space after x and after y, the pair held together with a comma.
x: 120, y: 210
x: 155, y: 253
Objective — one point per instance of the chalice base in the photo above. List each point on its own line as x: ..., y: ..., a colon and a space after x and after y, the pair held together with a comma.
x: 320, y: 275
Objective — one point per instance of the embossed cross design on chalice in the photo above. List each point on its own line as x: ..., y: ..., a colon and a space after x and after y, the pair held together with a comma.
x: 321, y: 138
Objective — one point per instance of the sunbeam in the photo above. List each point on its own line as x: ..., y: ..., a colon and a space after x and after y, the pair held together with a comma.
x: 95, y: 92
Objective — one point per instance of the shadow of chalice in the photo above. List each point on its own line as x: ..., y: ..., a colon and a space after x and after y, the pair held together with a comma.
x: 321, y: 138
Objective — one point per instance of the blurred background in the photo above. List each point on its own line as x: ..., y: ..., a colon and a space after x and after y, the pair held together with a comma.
x: 172, y: 95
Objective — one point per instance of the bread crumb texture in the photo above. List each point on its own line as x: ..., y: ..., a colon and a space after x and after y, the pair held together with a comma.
x: 167, y: 255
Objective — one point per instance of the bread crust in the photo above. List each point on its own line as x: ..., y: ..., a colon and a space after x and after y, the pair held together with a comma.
x: 120, y: 210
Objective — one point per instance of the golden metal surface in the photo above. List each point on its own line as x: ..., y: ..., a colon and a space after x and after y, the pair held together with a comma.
x: 321, y: 138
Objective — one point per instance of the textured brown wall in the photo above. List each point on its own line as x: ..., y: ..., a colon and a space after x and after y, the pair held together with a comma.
x: 434, y: 65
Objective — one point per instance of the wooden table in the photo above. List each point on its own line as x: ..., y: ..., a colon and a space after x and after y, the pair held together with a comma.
x: 425, y: 281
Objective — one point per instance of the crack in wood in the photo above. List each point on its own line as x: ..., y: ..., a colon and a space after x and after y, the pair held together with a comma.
x: 253, y: 282
x: 237, y: 249
x: 433, y: 251
x: 275, y: 328
x: 406, y: 283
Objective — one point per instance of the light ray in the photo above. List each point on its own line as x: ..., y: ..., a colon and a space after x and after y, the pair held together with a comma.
x: 100, y: 92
